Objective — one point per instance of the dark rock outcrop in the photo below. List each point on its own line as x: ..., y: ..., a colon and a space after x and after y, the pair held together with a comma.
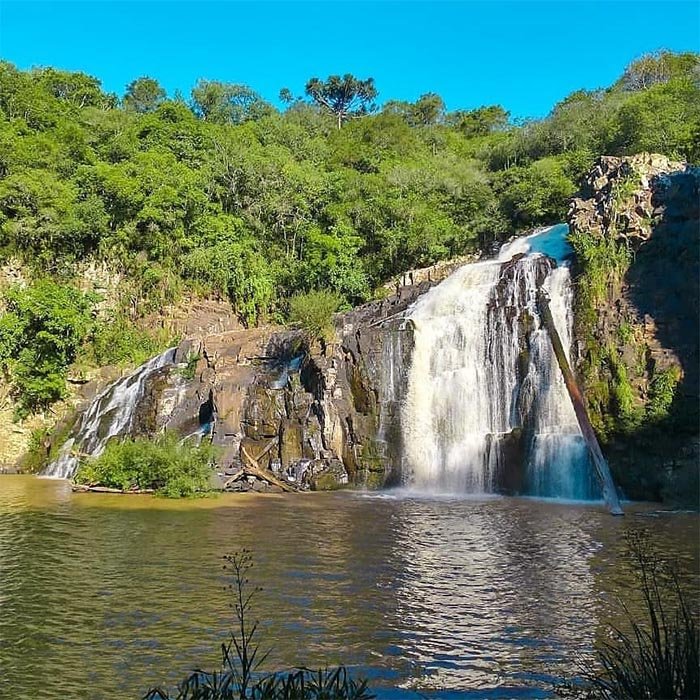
x: 638, y: 342
x: 321, y: 415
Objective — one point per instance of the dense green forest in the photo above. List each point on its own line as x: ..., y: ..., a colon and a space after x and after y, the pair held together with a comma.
x: 223, y: 194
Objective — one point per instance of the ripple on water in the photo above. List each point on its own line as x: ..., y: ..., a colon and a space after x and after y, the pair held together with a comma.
x: 482, y: 597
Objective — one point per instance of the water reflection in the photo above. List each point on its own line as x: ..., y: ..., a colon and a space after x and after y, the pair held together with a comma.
x: 104, y: 596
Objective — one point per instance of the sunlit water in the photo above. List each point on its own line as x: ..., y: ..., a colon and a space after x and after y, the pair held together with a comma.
x: 104, y: 596
x: 483, y: 378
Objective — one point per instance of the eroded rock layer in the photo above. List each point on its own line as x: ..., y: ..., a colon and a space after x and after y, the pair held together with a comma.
x: 320, y: 414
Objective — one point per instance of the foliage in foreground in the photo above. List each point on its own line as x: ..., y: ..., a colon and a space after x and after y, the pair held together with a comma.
x: 241, y: 658
x: 168, y: 467
x: 659, y: 657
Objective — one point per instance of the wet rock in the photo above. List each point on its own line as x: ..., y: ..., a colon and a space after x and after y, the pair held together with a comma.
x: 263, y: 413
x: 648, y: 323
x: 333, y: 476
x: 291, y: 438
x: 323, y: 414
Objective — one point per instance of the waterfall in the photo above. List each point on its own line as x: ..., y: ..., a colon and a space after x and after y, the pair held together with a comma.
x: 110, y: 413
x: 486, y: 408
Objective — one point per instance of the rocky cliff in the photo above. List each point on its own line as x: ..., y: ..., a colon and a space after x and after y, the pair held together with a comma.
x: 322, y: 414
x: 636, y: 231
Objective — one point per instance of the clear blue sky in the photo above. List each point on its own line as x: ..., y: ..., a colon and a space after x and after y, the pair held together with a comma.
x: 523, y: 55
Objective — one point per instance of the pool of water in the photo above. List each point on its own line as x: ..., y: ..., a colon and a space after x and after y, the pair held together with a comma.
x: 104, y: 596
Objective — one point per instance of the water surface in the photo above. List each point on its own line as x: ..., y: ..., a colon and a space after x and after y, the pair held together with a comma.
x: 103, y: 596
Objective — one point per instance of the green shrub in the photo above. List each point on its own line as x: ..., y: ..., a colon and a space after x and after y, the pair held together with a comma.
x: 604, y: 262
x: 235, y: 270
x: 40, y: 334
x: 44, y: 445
x: 164, y: 465
x: 622, y: 393
x: 313, y: 313
x: 625, y: 332
x: 190, y: 368
x: 661, y: 392
x: 37, y: 453
x: 118, y: 341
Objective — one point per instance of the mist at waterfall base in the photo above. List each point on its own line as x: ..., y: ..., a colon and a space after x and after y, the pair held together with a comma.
x: 484, y: 377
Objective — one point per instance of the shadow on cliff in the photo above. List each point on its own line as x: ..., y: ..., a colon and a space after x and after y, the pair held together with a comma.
x: 664, y: 286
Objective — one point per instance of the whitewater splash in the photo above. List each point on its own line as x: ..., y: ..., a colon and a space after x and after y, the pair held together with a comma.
x: 486, y: 408
x: 111, y: 413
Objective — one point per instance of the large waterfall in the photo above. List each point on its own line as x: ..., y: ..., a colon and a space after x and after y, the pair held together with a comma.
x: 486, y: 408
x: 111, y: 413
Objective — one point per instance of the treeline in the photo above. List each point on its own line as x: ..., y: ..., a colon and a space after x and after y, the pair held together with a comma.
x: 223, y: 194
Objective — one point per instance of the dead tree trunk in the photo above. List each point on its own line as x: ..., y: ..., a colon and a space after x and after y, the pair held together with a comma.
x: 253, y: 468
x: 601, y: 466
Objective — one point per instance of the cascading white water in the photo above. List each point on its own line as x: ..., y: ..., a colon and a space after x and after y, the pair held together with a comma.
x: 484, y: 378
x: 109, y: 414
x: 558, y: 460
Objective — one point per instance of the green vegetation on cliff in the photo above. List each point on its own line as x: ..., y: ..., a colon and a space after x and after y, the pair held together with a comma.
x: 226, y: 196
x: 637, y: 248
x: 313, y: 313
x: 41, y: 333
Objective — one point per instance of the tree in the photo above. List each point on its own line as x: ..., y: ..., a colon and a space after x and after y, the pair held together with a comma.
x: 77, y: 89
x: 664, y: 118
x: 286, y: 96
x: 536, y: 194
x: 427, y: 110
x: 227, y: 103
x: 344, y: 97
x: 659, y: 67
x: 313, y: 313
x: 143, y: 95
x: 236, y: 270
x: 481, y: 121
x: 40, y: 334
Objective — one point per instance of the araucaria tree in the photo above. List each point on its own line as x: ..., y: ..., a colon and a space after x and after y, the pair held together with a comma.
x: 344, y: 97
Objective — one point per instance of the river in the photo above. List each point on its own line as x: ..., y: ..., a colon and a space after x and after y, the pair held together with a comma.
x: 104, y: 596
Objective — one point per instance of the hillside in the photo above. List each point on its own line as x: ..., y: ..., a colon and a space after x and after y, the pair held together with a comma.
x: 118, y: 216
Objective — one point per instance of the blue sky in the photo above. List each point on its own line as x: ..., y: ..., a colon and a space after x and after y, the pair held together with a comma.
x: 523, y: 55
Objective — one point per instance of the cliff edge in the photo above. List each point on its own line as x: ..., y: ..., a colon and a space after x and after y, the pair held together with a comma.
x: 636, y: 233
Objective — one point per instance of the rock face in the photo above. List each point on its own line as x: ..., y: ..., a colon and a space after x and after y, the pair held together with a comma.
x: 326, y: 415
x: 322, y: 415
x: 623, y: 196
x: 638, y: 336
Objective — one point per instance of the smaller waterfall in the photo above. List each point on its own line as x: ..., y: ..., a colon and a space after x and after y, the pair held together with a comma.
x: 110, y: 413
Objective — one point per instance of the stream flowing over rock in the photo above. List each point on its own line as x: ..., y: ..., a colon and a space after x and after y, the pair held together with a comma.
x: 110, y: 414
x: 486, y: 407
